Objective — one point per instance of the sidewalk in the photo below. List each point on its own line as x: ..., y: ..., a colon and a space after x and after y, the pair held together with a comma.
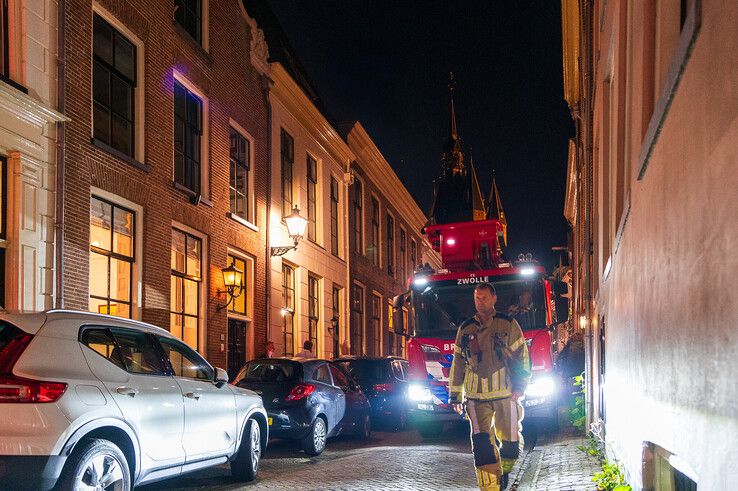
x: 556, y: 464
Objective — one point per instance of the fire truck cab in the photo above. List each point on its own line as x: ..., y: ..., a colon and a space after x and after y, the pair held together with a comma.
x: 437, y: 302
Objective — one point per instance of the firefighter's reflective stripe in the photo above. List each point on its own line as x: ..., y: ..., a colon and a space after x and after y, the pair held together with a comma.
x: 517, y: 344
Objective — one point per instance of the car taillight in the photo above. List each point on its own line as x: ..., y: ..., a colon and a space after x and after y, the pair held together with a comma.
x: 300, y: 391
x: 12, y: 351
x: 384, y: 387
x: 17, y: 389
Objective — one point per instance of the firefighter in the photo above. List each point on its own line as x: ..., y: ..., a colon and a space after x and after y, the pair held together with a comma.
x: 491, y: 369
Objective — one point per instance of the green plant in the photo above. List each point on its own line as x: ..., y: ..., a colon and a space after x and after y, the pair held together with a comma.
x: 611, y: 478
x: 577, y: 410
x: 593, y: 448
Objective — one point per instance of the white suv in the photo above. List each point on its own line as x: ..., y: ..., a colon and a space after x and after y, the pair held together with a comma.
x: 90, y: 401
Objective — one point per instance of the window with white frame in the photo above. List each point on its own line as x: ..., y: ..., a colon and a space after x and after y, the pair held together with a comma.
x: 375, y: 232
x: 188, y: 136
x: 112, y: 257
x: 287, y: 153
x: 413, y: 255
x: 357, y: 320
x: 358, y: 217
x: 390, y: 245
x: 334, y: 216
x: 288, y: 309
x: 186, y: 281
x: 376, y: 329
x: 313, y: 310
x: 312, y: 191
x: 188, y: 14
x: 242, y: 304
x: 240, y: 169
x: 402, y: 256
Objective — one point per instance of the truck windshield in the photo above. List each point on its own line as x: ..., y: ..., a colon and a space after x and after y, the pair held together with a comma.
x: 440, y: 310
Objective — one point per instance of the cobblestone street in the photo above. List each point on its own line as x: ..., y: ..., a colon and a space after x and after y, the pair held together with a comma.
x: 403, y: 461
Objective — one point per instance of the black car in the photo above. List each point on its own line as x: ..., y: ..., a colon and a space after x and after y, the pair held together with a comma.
x: 384, y: 381
x: 309, y: 400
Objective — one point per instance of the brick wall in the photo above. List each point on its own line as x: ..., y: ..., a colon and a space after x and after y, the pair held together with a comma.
x: 233, y: 89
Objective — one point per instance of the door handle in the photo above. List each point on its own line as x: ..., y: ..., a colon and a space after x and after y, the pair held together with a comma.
x: 192, y: 395
x: 127, y: 391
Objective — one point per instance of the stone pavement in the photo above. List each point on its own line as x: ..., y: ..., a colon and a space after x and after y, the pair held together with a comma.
x: 556, y: 464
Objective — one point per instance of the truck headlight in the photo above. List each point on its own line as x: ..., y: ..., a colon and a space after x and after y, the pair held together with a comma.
x: 419, y: 393
x: 541, y: 387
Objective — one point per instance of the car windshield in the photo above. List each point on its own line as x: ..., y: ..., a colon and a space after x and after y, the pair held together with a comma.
x: 270, y: 372
x: 367, y: 370
x: 439, y: 311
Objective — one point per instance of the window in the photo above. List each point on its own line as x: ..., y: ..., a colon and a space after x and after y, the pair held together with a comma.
x: 334, y: 216
x: 137, y: 351
x: 186, y: 362
x: 4, y: 41
x: 288, y: 309
x: 375, y: 232
x: 390, y: 245
x: 313, y: 310
x: 336, y: 319
x: 413, y: 255
x: 322, y: 374
x: 358, y: 218
x: 402, y: 260
x: 288, y: 160
x: 339, y: 378
x: 240, y: 304
x: 188, y: 14
x: 102, y: 342
x: 185, y: 287
x: 390, y: 338
x: 187, y: 137
x: 111, y: 258
x: 312, y: 188
x: 3, y: 224
x: 357, y: 320
x: 239, y: 183
x: 376, y: 333
x: 113, y: 87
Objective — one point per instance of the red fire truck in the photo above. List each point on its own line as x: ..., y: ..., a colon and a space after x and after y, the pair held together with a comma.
x: 437, y: 302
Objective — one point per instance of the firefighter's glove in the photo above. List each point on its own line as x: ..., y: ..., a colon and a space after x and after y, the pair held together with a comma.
x: 454, y: 398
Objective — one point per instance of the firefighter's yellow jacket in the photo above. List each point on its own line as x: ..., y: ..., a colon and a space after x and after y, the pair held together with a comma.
x: 490, y: 359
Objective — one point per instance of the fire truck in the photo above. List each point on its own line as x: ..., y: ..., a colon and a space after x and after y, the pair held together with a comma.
x: 437, y: 302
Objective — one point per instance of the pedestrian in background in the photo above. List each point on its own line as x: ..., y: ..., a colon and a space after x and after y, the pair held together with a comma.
x: 307, y: 350
x: 490, y: 370
x: 268, y: 350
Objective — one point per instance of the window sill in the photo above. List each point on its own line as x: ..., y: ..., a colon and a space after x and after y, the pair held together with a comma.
x: 14, y: 84
x: 242, y: 221
x: 192, y: 42
x: 194, y: 197
x: 120, y: 155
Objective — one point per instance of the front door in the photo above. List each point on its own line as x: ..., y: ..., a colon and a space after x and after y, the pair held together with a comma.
x: 236, y: 346
x: 211, y: 422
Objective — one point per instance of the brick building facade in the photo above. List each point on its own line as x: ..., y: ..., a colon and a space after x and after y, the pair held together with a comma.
x: 165, y: 177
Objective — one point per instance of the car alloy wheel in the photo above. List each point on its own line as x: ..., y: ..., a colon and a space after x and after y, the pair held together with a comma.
x: 100, y: 472
x: 255, y: 447
x: 319, y: 435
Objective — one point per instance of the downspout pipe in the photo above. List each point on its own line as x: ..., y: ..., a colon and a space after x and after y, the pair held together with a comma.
x: 60, y: 143
x: 266, y: 85
x: 347, y: 252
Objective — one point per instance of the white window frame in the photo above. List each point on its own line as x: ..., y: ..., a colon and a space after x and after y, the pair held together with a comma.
x: 204, y: 268
x: 205, y: 143
x: 339, y: 220
x: 139, y: 112
x: 318, y: 197
x: 379, y: 237
x: 250, y: 220
x: 138, y: 232
x: 358, y: 179
x: 395, y: 238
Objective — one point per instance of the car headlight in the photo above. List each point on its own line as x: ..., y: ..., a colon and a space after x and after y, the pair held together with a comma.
x: 419, y: 393
x: 541, y: 387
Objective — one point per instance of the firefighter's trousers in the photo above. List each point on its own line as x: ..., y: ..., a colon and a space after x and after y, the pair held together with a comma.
x: 496, y: 439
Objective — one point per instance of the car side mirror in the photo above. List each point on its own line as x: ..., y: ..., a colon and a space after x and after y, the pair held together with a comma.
x: 221, y: 377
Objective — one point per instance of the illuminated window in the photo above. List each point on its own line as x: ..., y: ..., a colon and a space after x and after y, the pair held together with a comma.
x: 187, y: 137
x: 357, y: 320
x: 3, y: 221
x: 239, y: 182
x: 334, y: 216
x: 390, y: 338
x: 313, y: 310
x: 336, y: 319
x: 188, y: 14
x: 287, y: 152
x: 312, y: 190
x: 241, y: 304
x: 376, y: 330
x: 113, y: 87
x: 288, y: 309
x: 111, y: 258
x: 186, y: 279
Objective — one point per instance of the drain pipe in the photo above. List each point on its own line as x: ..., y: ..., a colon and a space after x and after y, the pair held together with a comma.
x: 60, y: 141
x: 347, y: 252
x: 266, y: 84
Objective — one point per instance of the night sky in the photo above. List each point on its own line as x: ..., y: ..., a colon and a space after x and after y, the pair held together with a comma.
x: 386, y: 64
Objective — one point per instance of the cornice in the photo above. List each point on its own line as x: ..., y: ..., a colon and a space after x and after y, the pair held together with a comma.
x: 294, y: 100
x: 381, y: 173
x: 570, y: 200
x: 27, y: 108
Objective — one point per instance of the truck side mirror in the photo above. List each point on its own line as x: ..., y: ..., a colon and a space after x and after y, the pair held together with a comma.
x: 398, y: 320
x: 561, y: 300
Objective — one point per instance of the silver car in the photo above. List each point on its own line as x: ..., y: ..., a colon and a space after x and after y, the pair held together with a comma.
x: 90, y: 401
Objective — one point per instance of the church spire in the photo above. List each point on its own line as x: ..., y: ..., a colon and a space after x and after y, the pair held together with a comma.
x: 453, y: 133
x: 494, y: 208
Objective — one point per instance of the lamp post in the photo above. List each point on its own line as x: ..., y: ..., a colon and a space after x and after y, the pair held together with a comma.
x: 233, y: 280
x: 296, y: 225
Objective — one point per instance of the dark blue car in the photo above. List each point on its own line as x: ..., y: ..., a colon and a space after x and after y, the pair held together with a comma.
x: 384, y: 382
x: 309, y: 400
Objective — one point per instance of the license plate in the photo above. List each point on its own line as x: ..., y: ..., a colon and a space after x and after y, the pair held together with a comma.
x: 269, y: 421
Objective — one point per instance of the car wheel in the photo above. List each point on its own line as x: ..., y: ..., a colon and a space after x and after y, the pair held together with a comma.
x: 363, y: 429
x: 245, y: 467
x: 96, y: 464
x: 400, y: 423
x: 314, y: 441
x: 430, y: 430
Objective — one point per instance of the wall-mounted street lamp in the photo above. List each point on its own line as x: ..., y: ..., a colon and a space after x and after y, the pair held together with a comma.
x: 296, y: 225
x: 233, y: 281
